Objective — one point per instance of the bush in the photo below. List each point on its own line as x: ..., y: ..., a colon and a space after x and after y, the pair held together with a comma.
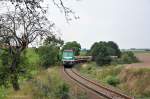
x: 103, y: 59
x: 128, y: 58
x: 63, y: 90
x: 47, y: 84
x: 5, y: 71
x: 112, y: 80
x: 49, y: 55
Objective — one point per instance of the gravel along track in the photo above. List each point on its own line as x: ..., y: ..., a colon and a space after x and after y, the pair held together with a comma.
x: 96, y: 88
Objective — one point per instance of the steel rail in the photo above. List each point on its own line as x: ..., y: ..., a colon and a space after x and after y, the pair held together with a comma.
x: 104, y: 94
x: 101, y: 86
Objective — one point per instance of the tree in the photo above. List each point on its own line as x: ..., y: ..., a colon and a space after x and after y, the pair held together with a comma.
x: 24, y: 24
x: 53, y: 41
x: 103, y: 58
x: 114, y: 49
x: 76, y: 47
x: 102, y: 54
x: 128, y: 58
x: 49, y: 55
x: 102, y: 51
x: 94, y: 50
x: 17, y: 30
x: 35, y: 5
x: 50, y: 51
x: 97, y: 48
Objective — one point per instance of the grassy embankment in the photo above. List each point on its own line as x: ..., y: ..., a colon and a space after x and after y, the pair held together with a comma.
x: 132, y: 81
x: 41, y: 83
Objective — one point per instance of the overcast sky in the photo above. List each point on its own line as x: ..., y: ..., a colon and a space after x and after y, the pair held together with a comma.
x: 127, y: 22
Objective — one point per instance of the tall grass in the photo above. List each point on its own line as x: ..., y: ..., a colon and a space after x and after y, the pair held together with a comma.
x: 132, y: 81
x: 136, y: 81
x: 48, y: 84
x: 100, y: 73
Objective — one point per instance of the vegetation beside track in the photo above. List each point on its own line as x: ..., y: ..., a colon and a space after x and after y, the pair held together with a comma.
x: 47, y: 84
x: 134, y: 82
x: 39, y: 82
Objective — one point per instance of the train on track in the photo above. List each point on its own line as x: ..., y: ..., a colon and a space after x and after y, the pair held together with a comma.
x: 69, y: 59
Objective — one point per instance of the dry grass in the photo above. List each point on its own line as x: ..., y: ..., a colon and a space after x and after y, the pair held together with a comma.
x: 47, y: 84
x: 133, y: 81
x: 136, y: 81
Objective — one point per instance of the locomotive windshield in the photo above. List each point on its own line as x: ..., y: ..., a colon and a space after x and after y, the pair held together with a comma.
x: 68, y: 54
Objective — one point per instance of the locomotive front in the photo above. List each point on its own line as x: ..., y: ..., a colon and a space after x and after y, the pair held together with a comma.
x: 68, y: 58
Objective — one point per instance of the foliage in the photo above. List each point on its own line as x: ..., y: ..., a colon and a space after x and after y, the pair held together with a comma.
x: 53, y: 41
x: 49, y: 55
x: 126, y: 58
x: 28, y: 69
x: 47, y: 84
x: 32, y: 63
x: 112, y: 80
x: 76, y: 47
x: 102, y: 52
x: 3, y: 93
x: 50, y: 51
x: 5, y: 71
x: 83, y: 52
x: 103, y: 57
x: 18, y: 29
x: 113, y: 49
x: 100, y: 73
x: 25, y: 23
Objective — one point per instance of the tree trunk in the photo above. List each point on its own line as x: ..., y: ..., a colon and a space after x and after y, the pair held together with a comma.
x: 14, y: 72
x: 15, y: 82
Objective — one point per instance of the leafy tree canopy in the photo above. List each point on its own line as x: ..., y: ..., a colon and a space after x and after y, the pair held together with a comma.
x: 53, y: 41
x: 102, y: 51
x: 76, y: 47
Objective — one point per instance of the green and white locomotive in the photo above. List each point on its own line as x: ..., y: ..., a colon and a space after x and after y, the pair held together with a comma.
x: 69, y: 58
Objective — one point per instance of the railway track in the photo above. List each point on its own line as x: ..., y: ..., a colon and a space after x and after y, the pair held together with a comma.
x: 96, y: 88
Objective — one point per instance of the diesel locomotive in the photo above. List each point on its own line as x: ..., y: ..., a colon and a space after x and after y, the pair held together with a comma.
x: 69, y: 59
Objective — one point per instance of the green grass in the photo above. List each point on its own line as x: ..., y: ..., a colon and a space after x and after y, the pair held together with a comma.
x: 98, y: 72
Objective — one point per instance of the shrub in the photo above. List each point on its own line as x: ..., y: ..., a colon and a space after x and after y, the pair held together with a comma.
x: 47, y: 84
x: 112, y: 80
x: 63, y: 90
x: 49, y: 55
x: 128, y: 57
x: 103, y: 59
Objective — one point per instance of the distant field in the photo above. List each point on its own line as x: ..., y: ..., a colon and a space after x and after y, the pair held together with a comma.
x: 141, y: 52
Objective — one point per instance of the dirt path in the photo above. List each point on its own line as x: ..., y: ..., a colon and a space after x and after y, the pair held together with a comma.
x: 145, y: 61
